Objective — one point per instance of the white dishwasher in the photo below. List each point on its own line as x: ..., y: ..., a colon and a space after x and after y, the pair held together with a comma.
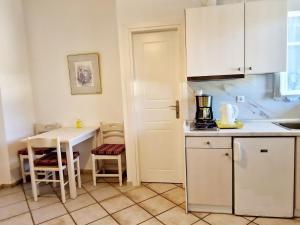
x: 264, y: 176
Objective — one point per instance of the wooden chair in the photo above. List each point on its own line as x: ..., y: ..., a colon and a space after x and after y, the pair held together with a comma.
x: 23, y: 153
x: 50, y: 163
x: 112, y: 148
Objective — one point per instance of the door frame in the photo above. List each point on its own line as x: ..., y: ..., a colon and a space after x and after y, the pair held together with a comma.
x: 128, y: 98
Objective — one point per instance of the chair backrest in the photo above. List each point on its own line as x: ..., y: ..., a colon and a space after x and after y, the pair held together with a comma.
x: 42, y: 128
x: 43, y: 143
x: 112, y: 133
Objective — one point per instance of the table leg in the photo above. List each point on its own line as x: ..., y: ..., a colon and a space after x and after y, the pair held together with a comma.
x: 71, y: 171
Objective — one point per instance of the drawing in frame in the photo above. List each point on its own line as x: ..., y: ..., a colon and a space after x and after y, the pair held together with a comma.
x: 84, y: 72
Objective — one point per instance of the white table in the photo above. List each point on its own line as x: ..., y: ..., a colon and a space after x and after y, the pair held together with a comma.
x: 69, y: 137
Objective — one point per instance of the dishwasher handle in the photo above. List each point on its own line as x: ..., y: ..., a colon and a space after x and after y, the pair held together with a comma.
x: 238, y: 152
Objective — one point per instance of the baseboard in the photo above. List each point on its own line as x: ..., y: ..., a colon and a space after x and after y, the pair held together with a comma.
x: 11, y: 185
x: 209, y: 208
x: 86, y: 171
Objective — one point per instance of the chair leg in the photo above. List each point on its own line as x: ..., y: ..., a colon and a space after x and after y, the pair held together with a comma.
x: 62, y: 186
x: 78, y: 173
x: 22, y: 168
x: 120, y: 169
x: 94, y: 169
x: 34, y: 185
x: 54, y: 178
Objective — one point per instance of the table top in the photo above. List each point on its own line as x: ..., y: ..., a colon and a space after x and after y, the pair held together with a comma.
x: 67, y: 134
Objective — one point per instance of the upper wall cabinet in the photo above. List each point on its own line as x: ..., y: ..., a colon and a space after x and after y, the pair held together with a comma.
x: 265, y: 36
x: 236, y: 38
x: 215, y: 40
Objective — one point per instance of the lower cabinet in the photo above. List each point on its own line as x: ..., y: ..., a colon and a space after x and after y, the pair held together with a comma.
x: 297, y: 182
x: 209, y: 174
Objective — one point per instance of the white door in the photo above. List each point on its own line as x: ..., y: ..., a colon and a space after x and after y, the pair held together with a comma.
x: 215, y: 40
x: 265, y: 36
x: 264, y: 176
x: 157, y: 69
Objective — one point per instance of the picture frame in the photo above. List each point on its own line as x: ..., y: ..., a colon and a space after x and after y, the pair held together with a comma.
x: 84, y: 73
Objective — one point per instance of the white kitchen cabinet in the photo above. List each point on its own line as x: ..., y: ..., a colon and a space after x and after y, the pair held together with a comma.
x: 209, y: 175
x: 265, y: 36
x: 215, y: 40
x: 239, y: 38
x: 297, y: 176
x: 264, y: 176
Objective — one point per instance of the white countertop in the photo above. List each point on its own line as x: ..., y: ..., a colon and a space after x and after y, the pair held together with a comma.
x: 251, y: 128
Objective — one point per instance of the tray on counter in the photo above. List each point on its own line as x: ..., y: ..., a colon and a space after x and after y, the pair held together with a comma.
x: 237, y: 125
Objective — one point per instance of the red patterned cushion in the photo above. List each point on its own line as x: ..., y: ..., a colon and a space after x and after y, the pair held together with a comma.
x: 37, y: 151
x: 50, y: 159
x: 109, y: 149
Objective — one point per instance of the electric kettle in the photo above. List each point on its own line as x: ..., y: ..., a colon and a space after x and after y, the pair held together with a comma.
x: 228, y: 113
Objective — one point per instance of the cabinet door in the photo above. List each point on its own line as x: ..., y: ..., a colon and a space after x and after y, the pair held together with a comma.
x: 215, y: 40
x: 209, y: 179
x: 265, y: 36
x: 297, y: 187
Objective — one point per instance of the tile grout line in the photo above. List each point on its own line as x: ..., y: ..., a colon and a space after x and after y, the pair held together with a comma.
x: 98, y: 202
x: 28, y: 205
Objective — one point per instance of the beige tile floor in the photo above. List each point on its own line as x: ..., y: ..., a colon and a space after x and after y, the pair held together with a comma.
x: 109, y: 204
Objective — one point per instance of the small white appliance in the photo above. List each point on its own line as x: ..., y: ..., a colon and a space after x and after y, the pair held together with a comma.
x: 264, y: 176
x: 228, y: 113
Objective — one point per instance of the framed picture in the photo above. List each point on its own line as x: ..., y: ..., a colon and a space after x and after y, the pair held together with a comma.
x: 84, y: 72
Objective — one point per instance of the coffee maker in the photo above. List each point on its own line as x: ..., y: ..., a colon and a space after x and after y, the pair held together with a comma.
x: 204, y: 118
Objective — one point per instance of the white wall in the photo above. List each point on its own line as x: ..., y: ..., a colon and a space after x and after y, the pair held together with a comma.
x: 57, y: 28
x: 17, y: 114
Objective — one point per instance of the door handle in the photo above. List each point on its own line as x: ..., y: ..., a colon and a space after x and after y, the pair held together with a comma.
x: 177, y: 108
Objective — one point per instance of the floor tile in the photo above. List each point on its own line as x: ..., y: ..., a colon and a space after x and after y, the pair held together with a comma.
x: 225, y: 219
x: 88, y: 214
x: 7, y: 191
x: 80, y: 191
x: 116, y: 203
x: 45, y: 190
x: 182, y: 205
x: 42, y: 201
x: 132, y: 215
x: 23, y: 219
x: 13, y: 210
x: 152, y: 221
x: 125, y: 187
x: 201, y: 222
x: 177, y: 216
x: 48, y: 212
x: 79, y: 202
x: 104, y: 193
x: 156, y: 205
x: 11, y: 199
x: 160, y: 187
x: 140, y: 194
x: 105, y: 221
x: 63, y: 220
x: 201, y: 215
x: 273, y: 221
x: 175, y: 195
x: 251, y: 218
x: 90, y: 187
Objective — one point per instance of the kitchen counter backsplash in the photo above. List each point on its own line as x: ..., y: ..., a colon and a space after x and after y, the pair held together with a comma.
x: 259, y: 97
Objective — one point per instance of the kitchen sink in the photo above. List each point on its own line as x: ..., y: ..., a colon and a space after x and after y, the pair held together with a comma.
x: 289, y: 125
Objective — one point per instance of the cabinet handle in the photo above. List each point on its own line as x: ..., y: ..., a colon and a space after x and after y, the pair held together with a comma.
x: 208, y: 143
x: 250, y: 68
x: 239, y: 69
x: 227, y: 154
